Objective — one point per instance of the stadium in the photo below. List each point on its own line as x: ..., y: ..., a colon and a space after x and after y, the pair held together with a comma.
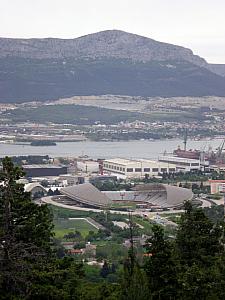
x: 149, y: 196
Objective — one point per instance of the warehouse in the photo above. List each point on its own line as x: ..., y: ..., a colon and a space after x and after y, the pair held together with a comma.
x: 44, y: 170
x: 182, y: 164
x: 137, y: 168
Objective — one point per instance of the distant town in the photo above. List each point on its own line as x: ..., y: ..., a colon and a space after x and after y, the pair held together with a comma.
x: 102, y: 119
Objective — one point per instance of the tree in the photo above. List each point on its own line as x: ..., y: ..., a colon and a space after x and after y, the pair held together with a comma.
x: 201, y: 186
x: 198, y: 239
x: 29, y: 267
x: 105, y: 270
x: 134, y: 284
x: 160, y: 266
x: 199, y: 250
x: 25, y: 232
x: 50, y: 192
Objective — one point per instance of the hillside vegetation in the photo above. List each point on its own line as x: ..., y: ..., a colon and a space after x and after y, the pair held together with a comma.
x: 110, y: 62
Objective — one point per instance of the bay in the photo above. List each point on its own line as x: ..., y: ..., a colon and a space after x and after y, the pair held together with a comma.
x: 125, y: 149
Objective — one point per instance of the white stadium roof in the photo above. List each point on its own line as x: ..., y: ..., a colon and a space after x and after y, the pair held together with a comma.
x: 161, y: 195
x: 33, y: 185
x: 87, y: 194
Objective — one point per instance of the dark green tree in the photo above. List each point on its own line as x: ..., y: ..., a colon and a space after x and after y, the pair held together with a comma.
x: 25, y: 230
x: 133, y: 284
x: 199, y: 249
x: 29, y: 268
x: 105, y: 270
x: 160, y: 266
x: 198, y: 239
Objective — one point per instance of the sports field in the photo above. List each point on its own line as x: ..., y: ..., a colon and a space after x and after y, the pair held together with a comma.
x: 64, y: 226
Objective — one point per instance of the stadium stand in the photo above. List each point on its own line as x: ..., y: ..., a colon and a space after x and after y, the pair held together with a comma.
x: 154, y: 195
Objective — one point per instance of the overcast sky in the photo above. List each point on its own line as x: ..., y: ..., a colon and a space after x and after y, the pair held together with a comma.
x: 196, y: 24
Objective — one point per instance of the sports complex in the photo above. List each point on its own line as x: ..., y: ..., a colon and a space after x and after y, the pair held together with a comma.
x: 146, y: 196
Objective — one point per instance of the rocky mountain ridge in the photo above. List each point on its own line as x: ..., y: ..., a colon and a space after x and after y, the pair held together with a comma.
x: 105, y: 44
x: 108, y: 62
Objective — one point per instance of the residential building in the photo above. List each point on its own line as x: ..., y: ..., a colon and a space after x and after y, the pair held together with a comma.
x: 217, y: 186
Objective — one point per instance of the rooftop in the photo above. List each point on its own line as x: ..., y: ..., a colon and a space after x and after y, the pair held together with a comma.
x: 182, y: 159
x: 125, y: 162
x: 49, y: 166
x: 86, y: 193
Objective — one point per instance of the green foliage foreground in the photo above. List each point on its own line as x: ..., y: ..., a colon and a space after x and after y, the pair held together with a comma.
x: 190, y: 267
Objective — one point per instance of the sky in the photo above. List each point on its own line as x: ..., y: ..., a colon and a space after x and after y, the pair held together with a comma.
x: 196, y: 24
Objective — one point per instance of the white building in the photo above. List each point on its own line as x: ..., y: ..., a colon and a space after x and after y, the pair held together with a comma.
x: 181, y: 164
x: 68, y: 179
x: 88, y: 166
x: 136, y: 168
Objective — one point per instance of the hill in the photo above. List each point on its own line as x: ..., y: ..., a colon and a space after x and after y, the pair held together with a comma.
x: 218, y: 69
x: 108, y: 62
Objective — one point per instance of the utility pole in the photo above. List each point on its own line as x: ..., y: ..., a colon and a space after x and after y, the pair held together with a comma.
x: 185, y: 139
x: 224, y: 207
x: 132, y: 257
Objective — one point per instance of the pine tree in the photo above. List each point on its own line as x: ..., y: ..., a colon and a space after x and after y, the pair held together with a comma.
x: 199, y: 250
x: 134, y: 284
x: 105, y: 270
x: 160, y: 267
x: 25, y: 230
x: 29, y: 268
x: 198, y: 239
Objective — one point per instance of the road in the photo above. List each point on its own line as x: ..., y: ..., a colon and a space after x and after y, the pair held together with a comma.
x: 205, y: 203
x: 139, y: 212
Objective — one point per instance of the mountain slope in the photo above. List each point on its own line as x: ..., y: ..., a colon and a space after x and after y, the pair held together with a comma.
x: 217, y: 69
x: 104, y: 44
x: 108, y: 62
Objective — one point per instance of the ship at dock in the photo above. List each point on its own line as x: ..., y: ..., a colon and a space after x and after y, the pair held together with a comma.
x: 190, y: 154
x: 213, y: 157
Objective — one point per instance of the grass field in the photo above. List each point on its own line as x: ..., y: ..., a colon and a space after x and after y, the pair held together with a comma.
x: 59, y: 212
x: 145, y: 223
x: 128, y: 205
x: 64, y: 226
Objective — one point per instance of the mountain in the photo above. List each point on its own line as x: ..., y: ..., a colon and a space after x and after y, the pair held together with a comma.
x: 107, y: 62
x: 105, y: 44
x: 217, y: 69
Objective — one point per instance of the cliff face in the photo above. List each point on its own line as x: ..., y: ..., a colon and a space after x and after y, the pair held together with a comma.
x: 105, y: 44
x: 108, y: 62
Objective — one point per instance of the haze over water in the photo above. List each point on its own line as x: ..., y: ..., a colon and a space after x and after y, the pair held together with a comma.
x: 130, y: 149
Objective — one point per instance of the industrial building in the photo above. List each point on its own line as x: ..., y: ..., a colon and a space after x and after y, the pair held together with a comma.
x: 137, y: 168
x: 181, y: 164
x: 68, y: 179
x: 88, y: 166
x: 102, y: 179
x: 44, y: 170
x: 220, y: 168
